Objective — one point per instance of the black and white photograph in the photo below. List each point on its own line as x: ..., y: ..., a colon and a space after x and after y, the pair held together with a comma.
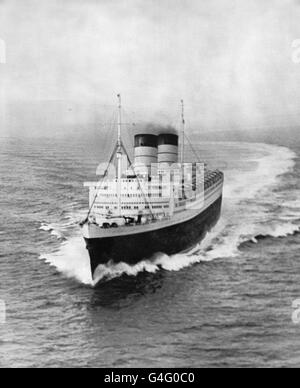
x: 149, y: 186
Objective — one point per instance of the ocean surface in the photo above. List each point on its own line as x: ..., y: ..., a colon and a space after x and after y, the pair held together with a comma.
x: 228, y: 303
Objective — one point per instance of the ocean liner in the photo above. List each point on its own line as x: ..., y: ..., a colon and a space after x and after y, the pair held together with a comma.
x: 155, y: 204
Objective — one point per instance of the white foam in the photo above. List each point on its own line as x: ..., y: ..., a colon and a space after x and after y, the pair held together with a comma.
x: 46, y: 228
x: 272, y: 162
x: 54, y: 230
x: 173, y: 263
x: 58, y: 235
x: 72, y: 260
x: 279, y: 230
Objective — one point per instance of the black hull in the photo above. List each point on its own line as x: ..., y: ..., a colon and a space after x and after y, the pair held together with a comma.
x: 132, y: 249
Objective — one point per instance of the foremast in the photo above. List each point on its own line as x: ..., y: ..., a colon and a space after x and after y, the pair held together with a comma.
x: 119, y: 155
x: 182, y: 133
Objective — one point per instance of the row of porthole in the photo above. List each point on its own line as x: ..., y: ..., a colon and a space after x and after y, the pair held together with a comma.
x: 132, y: 208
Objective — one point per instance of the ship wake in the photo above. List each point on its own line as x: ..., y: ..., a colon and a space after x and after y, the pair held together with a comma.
x: 260, y: 201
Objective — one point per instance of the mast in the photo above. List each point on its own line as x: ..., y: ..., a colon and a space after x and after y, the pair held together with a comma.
x: 182, y: 133
x: 119, y: 155
x: 119, y: 123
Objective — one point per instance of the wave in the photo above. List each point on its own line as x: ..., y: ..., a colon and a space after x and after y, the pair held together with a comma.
x: 46, y: 227
x: 256, y: 206
x: 279, y: 231
x: 72, y: 260
x: 53, y: 231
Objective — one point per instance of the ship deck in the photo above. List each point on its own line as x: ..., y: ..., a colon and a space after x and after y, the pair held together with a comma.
x: 193, y: 209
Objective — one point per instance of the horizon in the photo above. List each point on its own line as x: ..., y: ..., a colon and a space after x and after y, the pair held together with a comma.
x: 282, y: 136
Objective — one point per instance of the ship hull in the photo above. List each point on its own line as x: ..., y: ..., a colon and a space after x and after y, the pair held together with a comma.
x: 173, y: 239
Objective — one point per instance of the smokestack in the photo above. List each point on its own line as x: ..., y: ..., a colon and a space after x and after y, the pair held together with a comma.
x: 145, y: 152
x: 168, y: 148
